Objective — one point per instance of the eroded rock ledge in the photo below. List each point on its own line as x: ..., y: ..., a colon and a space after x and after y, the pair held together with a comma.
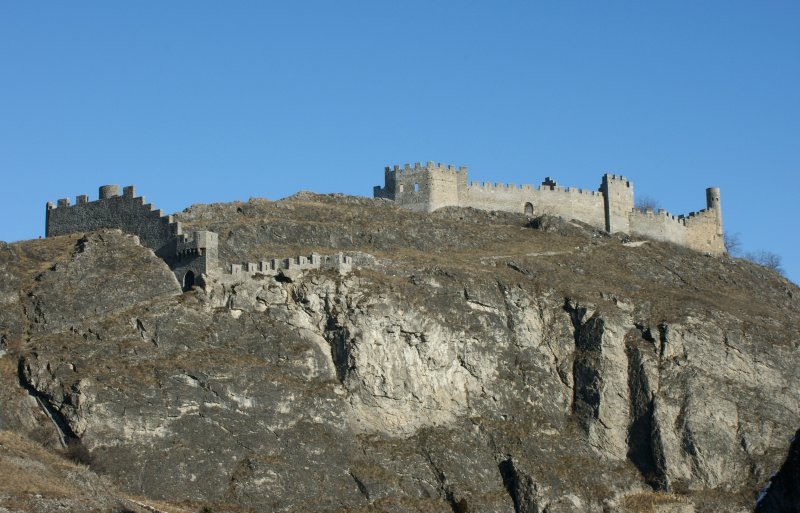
x: 515, y: 378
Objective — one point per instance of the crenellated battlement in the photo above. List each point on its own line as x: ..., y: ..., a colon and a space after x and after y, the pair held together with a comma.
x: 616, y: 178
x: 423, y: 187
x: 184, y: 253
x: 110, y: 210
x: 427, y: 166
x: 610, y: 207
x: 193, y: 257
x: 340, y: 262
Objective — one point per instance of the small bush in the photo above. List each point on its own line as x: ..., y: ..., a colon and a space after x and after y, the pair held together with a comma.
x: 733, y: 245
x: 78, y: 452
x: 767, y: 259
x: 645, y: 202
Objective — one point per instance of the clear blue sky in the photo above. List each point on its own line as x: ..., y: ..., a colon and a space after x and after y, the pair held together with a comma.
x: 204, y: 101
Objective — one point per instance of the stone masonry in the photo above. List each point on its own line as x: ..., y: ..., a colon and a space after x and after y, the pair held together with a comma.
x: 432, y: 186
x: 193, y: 257
x: 190, y: 256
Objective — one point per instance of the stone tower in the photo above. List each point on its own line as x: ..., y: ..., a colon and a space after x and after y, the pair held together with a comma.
x: 618, y: 194
x: 424, y: 188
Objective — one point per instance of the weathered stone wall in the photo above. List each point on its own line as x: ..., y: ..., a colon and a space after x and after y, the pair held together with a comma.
x: 701, y: 231
x: 195, y: 252
x: 581, y: 204
x: 618, y: 192
x: 423, y: 187
x: 430, y: 187
x: 704, y: 232
x: 128, y: 212
x: 659, y: 225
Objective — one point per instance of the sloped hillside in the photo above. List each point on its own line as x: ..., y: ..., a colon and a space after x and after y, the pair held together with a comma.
x: 482, y: 363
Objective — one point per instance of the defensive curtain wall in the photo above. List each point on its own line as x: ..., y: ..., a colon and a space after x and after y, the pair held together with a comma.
x: 191, y: 256
x: 194, y: 255
x: 432, y: 186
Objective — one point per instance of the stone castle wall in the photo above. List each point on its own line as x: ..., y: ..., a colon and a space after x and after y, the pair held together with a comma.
x: 432, y: 186
x: 424, y: 188
x: 581, y: 204
x: 617, y: 194
x: 127, y: 212
x: 195, y: 252
x: 193, y: 257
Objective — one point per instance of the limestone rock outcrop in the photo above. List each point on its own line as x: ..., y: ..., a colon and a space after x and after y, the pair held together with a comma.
x: 478, y: 366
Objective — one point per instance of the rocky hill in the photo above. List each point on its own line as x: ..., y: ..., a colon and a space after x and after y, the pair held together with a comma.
x: 481, y: 363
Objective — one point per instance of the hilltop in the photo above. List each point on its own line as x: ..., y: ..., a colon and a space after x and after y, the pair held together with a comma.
x: 479, y: 362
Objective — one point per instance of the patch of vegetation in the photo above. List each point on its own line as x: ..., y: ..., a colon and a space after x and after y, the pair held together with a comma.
x: 78, y: 452
x: 647, y: 502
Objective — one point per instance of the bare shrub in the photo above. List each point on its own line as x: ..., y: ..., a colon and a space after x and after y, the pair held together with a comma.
x: 647, y: 202
x: 733, y: 244
x: 78, y: 452
x: 767, y: 259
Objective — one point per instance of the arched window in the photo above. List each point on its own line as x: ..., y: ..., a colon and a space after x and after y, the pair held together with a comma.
x: 528, y: 209
x: 416, y: 187
x: 188, y: 281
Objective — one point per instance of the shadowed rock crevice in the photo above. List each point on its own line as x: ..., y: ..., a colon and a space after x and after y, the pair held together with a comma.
x: 445, y: 489
x: 641, y: 430
x: 782, y: 493
x: 587, y: 371
x: 520, y: 487
x: 339, y: 339
x: 66, y: 435
x: 442, y: 347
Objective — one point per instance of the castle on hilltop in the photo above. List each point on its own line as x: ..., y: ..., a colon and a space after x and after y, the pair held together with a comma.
x: 611, y: 208
x: 192, y: 256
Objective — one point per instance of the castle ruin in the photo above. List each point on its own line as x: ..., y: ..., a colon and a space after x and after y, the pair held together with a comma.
x: 190, y: 256
x: 611, y: 208
x: 193, y: 256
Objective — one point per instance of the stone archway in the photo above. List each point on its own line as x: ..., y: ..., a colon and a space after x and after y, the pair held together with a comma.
x: 188, y: 281
x: 529, y: 209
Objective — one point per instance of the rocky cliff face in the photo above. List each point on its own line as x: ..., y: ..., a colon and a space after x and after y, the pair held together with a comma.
x: 482, y: 364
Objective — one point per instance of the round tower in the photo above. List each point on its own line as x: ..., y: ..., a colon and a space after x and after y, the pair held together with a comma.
x: 109, y: 191
x: 714, y: 201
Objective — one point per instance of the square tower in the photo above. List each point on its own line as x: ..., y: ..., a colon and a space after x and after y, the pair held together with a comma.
x: 618, y: 196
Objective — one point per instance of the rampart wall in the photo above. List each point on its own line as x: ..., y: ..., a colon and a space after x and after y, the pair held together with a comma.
x: 423, y: 187
x: 611, y: 207
x: 127, y: 212
x: 700, y: 231
x: 340, y: 262
x: 704, y: 232
x: 660, y: 225
x: 581, y: 204
x: 195, y: 252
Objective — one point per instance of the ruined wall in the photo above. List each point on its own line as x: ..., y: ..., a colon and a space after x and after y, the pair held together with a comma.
x: 127, y: 212
x: 341, y: 262
x: 701, y: 231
